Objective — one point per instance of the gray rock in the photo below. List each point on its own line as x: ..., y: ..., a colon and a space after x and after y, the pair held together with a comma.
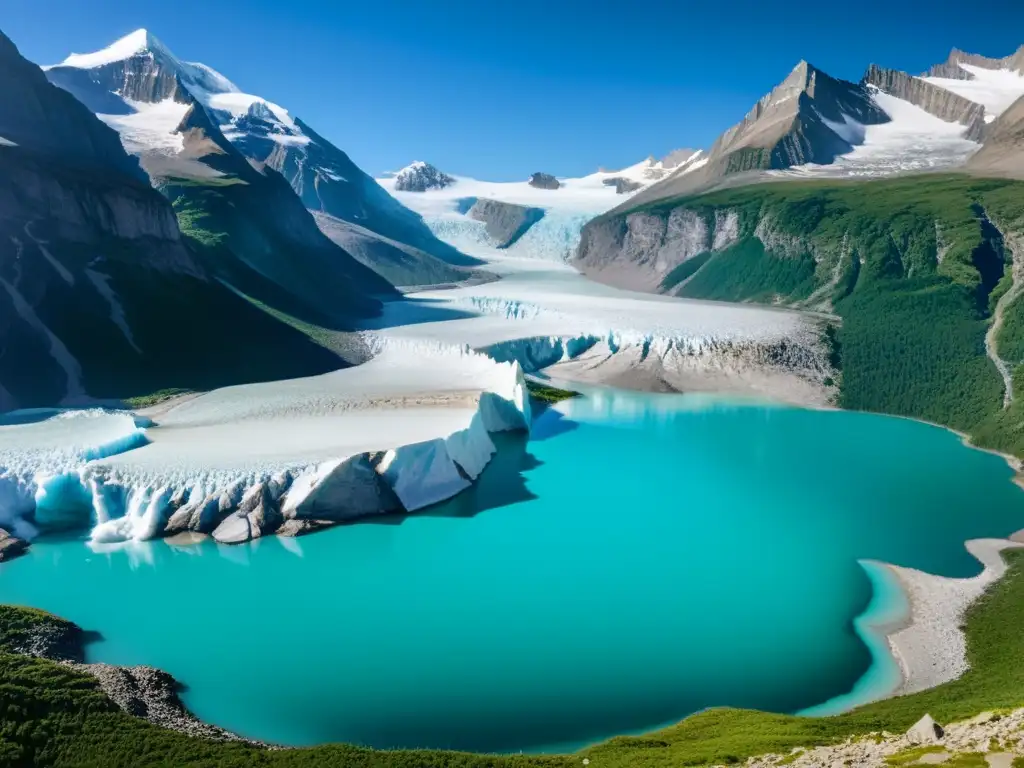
x: 257, y: 515
x: 506, y: 222
x: 544, y: 181
x: 622, y: 186
x: 937, y: 101
x: 292, y: 528
x: 951, y: 68
x: 1002, y: 153
x: 787, y: 127
x: 420, y: 176
x: 352, y: 489
x: 638, y: 250
x: 11, y: 546
x: 925, y: 731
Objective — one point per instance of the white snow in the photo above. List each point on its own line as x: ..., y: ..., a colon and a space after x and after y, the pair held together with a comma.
x: 129, y: 45
x: 587, y: 194
x: 150, y: 127
x: 850, y: 130
x: 6, y: 142
x: 913, y: 140
x: 995, y: 89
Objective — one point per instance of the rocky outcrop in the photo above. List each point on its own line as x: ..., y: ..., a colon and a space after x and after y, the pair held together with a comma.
x: 985, y: 739
x: 951, y: 68
x: 544, y: 181
x: 11, y: 546
x: 925, y: 731
x: 622, y: 186
x: 937, y: 101
x: 506, y: 222
x: 637, y: 251
x: 420, y: 176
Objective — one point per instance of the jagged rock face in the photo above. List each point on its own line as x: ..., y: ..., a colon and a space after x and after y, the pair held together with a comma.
x: 1003, y: 151
x: 420, y: 176
x: 951, y: 68
x: 622, y: 186
x: 544, y: 181
x: 143, y: 77
x: 808, y: 118
x: 637, y: 251
x: 937, y: 101
x: 506, y: 222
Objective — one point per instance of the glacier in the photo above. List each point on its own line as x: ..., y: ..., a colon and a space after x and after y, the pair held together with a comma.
x: 398, y: 433
x: 411, y: 426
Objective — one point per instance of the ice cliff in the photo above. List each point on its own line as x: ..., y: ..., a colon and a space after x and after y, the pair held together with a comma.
x: 396, y: 434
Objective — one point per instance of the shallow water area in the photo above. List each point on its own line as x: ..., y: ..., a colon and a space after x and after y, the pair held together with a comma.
x: 641, y: 557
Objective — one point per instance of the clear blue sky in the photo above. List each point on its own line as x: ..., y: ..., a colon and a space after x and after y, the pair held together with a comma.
x: 498, y: 90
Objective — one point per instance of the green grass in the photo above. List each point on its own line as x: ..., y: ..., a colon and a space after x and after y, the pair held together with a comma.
x: 682, y: 271
x: 53, y: 716
x: 545, y: 393
x: 154, y: 398
x: 910, y: 756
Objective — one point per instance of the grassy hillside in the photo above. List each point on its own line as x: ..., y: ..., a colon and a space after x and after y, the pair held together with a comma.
x: 55, y: 716
x: 913, y: 266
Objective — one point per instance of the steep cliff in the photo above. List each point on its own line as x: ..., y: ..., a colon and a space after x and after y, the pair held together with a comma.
x: 653, y: 251
x: 99, y: 294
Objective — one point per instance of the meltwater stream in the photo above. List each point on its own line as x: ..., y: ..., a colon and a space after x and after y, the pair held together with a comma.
x: 640, y: 558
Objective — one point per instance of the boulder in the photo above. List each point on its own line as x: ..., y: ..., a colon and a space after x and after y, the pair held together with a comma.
x: 11, y: 546
x: 925, y: 731
x: 544, y: 181
x: 622, y: 186
x: 257, y: 515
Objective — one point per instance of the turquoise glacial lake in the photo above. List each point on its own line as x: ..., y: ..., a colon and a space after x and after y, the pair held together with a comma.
x: 640, y: 558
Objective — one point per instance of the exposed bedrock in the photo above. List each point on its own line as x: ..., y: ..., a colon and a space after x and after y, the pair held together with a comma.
x: 544, y: 181
x: 937, y: 101
x: 505, y: 222
x: 638, y: 250
x: 622, y: 186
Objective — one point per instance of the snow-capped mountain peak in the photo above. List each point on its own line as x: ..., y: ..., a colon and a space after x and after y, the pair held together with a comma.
x: 142, y: 42
x: 139, y: 41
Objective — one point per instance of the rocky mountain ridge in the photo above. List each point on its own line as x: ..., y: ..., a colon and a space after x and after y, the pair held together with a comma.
x: 100, y: 295
x: 139, y: 87
x: 813, y: 123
